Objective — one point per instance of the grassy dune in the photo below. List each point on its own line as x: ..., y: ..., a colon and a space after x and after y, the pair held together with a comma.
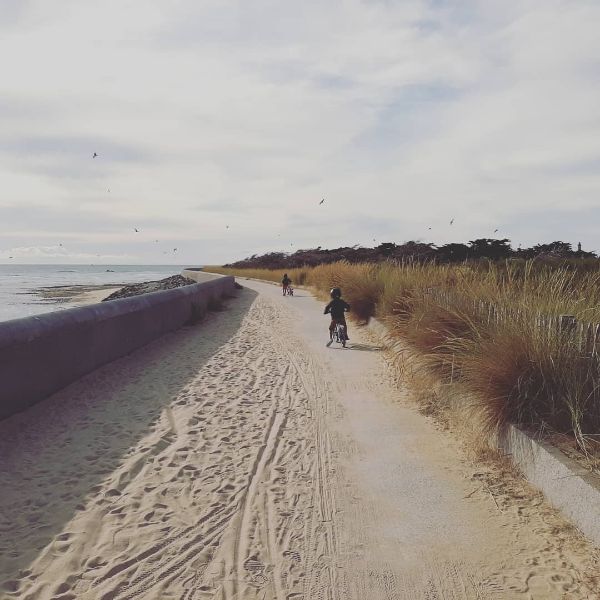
x: 492, y: 332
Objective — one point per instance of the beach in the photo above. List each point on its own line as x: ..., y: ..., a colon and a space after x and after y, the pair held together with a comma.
x: 241, y: 458
x: 27, y: 290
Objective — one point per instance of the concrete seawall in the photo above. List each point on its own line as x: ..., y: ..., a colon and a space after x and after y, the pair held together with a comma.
x: 39, y: 355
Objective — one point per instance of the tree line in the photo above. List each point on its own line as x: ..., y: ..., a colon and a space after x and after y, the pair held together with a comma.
x: 482, y: 248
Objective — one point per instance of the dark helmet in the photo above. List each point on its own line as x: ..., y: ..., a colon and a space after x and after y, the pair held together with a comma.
x: 335, y: 292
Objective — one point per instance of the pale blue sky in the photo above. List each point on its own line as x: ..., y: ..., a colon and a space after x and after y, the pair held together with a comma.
x: 220, y: 125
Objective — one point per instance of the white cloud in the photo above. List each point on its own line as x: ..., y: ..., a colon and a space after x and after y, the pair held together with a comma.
x: 401, y: 114
x: 59, y: 254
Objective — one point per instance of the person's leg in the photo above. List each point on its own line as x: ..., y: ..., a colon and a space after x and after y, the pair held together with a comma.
x: 343, y: 322
x: 331, y: 328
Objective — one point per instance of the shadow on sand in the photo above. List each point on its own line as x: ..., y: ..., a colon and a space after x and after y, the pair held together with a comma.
x: 364, y: 347
x: 54, y: 456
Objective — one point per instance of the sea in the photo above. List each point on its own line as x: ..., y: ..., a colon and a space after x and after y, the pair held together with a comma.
x: 19, y: 284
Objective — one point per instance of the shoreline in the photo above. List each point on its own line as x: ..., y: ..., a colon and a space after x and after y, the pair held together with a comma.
x: 74, y: 295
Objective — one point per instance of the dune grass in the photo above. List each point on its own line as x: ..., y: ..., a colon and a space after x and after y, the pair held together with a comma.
x: 491, y: 330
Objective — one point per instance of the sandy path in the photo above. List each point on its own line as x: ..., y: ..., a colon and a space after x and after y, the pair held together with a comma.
x: 241, y: 459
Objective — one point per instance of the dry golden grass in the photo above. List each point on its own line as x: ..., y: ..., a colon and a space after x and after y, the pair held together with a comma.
x: 486, y: 328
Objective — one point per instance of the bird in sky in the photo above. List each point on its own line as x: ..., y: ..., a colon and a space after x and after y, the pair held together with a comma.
x: 95, y: 155
x: 495, y: 230
x: 321, y: 201
x: 226, y: 226
x: 174, y: 249
x: 60, y: 244
x: 155, y: 241
x: 429, y: 229
x: 136, y: 229
x: 108, y: 190
x: 10, y: 257
x: 451, y: 221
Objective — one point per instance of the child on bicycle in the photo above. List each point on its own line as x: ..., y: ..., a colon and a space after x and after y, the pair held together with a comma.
x: 337, y: 307
x: 285, y: 282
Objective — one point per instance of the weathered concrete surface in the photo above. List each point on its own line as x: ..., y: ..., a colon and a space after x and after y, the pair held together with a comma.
x: 42, y: 354
x: 568, y: 486
x: 198, y: 275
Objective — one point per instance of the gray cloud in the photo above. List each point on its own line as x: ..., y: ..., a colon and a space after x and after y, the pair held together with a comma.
x: 73, y: 147
x: 73, y: 221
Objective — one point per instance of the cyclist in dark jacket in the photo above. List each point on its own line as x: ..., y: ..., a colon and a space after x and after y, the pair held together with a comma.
x: 337, y: 309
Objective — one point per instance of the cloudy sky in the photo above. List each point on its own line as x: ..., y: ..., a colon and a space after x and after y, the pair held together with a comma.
x: 221, y: 124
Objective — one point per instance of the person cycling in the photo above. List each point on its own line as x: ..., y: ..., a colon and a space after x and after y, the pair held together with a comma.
x: 285, y: 282
x: 337, y: 307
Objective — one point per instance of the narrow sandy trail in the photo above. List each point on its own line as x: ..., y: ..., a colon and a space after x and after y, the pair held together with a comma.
x: 242, y: 459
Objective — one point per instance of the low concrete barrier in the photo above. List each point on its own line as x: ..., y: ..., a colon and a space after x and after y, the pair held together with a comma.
x: 575, y: 491
x: 198, y: 275
x: 39, y: 355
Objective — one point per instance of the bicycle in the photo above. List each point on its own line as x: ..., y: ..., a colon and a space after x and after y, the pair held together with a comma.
x: 339, y: 334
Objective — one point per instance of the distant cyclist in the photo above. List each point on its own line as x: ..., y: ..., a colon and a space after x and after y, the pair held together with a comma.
x: 285, y: 282
x: 337, y: 308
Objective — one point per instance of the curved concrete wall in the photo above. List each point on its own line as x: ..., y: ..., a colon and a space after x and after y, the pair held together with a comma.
x: 41, y: 354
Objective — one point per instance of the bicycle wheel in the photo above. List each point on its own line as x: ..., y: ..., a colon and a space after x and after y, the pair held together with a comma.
x: 337, y: 332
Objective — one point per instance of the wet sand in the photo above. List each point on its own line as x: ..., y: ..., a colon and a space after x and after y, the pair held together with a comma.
x: 79, y: 295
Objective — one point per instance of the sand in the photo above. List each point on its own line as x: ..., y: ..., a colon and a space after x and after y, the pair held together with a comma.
x: 242, y: 459
x: 93, y: 296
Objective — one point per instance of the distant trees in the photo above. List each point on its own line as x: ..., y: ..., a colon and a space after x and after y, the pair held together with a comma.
x: 490, y: 248
x: 556, y: 249
x: 482, y: 248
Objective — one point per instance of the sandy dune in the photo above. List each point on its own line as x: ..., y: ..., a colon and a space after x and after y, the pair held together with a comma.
x: 241, y: 459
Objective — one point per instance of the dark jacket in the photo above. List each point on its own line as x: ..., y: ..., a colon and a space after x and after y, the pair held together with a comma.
x: 337, y: 307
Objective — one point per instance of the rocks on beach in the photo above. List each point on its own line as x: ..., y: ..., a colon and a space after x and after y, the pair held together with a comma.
x: 136, y: 289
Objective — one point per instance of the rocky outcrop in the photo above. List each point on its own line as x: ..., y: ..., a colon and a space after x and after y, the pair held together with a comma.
x: 150, y: 286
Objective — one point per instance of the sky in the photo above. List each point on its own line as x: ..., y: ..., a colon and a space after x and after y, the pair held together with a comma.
x: 220, y: 125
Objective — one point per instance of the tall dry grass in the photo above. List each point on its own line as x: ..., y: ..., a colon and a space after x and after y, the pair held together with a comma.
x: 487, y: 329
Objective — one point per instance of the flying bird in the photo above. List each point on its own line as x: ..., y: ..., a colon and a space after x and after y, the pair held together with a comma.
x: 226, y: 226
x: 155, y: 241
x: 95, y: 155
x: 429, y: 229
x: 136, y: 229
x: 321, y: 201
x: 495, y: 230
x: 451, y: 221
x: 174, y: 249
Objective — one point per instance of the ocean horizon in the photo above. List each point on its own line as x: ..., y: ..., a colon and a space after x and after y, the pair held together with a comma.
x: 22, y: 285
